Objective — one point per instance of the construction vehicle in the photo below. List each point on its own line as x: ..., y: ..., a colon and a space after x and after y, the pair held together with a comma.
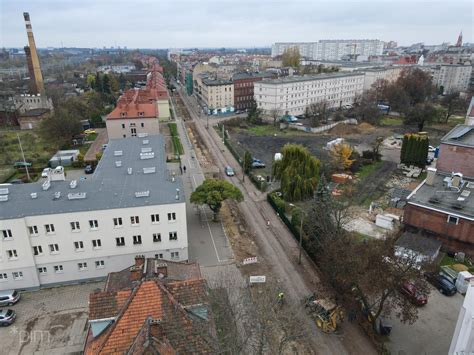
x: 326, y: 314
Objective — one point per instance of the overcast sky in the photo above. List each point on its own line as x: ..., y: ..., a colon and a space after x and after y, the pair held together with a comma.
x: 226, y: 23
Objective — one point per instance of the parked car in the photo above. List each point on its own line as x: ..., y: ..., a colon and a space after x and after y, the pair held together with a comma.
x: 89, y: 131
x: 9, y: 297
x: 412, y: 293
x: 257, y: 163
x: 229, y: 171
x: 104, y: 146
x: 7, y: 317
x: 89, y: 169
x: 441, y: 282
x: 17, y: 181
x: 45, y: 172
x: 21, y: 164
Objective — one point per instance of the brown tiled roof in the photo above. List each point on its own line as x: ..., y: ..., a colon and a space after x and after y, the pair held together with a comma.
x: 189, y: 292
x: 176, y: 327
x: 107, y: 304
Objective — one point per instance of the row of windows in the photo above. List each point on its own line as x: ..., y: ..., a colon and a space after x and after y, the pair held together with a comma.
x: 93, y: 225
x: 133, y: 125
x: 12, y: 254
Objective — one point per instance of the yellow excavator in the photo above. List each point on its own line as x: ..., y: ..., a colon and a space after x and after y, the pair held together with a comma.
x: 327, y: 315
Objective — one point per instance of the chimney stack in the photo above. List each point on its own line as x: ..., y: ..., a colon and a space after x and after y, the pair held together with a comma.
x: 431, y: 173
x: 161, y: 270
x: 136, y: 273
x: 139, y: 260
x: 34, y: 67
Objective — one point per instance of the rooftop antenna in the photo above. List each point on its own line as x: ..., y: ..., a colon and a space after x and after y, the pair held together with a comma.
x: 23, y: 155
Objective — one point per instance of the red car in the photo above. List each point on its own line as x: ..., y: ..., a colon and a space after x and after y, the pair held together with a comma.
x: 409, y: 290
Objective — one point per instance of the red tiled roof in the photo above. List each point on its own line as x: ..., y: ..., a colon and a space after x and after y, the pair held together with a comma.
x: 107, y: 304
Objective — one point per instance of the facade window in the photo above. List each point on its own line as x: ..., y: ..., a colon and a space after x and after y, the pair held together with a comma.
x: 175, y: 255
x: 172, y: 216
x: 123, y: 125
x: 132, y: 124
x: 96, y: 244
x: 453, y: 220
x: 17, y: 275
x: 54, y: 248
x: 33, y: 230
x: 155, y: 218
x: 3, y: 276
x: 133, y: 131
x: 156, y: 237
x: 82, y: 266
x: 79, y: 246
x: 37, y: 250
x: 49, y: 228
x: 12, y: 254
x: 120, y: 241
x: 137, y: 239
x: 7, y: 234
x: 58, y: 269
x: 75, y: 227
x: 173, y: 235
x: 134, y: 220
x: 159, y: 256
x: 117, y: 222
x: 42, y: 270
x: 142, y: 124
x: 99, y: 264
x: 94, y: 224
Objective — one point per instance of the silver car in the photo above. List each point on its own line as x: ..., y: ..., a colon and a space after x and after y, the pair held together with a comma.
x: 7, y: 316
x: 8, y: 298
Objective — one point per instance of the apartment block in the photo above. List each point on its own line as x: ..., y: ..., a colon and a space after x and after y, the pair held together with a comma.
x: 244, y: 88
x: 390, y: 74
x: 218, y: 95
x: 451, y: 77
x: 293, y: 94
x: 69, y: 231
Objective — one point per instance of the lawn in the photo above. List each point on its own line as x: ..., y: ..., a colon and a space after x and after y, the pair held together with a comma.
x: 368, y: 169
x: 447, y: 261
x: 178, y: 147
x: 271, y: 130
x: 391, y: 121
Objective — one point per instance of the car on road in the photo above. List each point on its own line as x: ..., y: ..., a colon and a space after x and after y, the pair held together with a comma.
x: 409, y: 289
x: 9, y: 297
x: 229, y: 171
x: 89, y: 169
x: 257, y: 163
x: 7, y: 317
x: 90, y: 131
x: 441, y: 283
x: 45, y: 172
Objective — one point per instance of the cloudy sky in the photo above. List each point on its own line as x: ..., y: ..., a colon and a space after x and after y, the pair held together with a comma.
x: 231, y: 23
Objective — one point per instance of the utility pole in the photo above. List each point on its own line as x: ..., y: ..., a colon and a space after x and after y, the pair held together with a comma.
x: 301, y: 238
x: 23, y: 155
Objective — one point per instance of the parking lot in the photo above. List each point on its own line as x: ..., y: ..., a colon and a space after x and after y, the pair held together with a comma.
x: 432, y: 332
x: 49, y: 321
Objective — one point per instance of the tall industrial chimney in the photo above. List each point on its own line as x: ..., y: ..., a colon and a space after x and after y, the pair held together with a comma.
x: 37, y: 86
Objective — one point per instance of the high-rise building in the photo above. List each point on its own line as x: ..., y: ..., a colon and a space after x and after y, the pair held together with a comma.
x: 34, y: 68
x: 332, y: 49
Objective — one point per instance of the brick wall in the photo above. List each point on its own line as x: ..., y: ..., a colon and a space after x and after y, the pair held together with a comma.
x: 454, y: 158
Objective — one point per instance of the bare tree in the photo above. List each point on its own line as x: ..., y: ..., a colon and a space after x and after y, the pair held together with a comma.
x: 318, y: 113
x: 275, y: 114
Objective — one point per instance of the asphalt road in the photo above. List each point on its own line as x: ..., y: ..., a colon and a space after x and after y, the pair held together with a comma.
x: 280, y: 249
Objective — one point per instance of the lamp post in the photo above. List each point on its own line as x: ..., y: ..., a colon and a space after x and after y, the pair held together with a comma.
x: 301, y: 237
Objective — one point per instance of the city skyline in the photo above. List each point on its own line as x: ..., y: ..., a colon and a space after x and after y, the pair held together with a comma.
x: 230, y: 24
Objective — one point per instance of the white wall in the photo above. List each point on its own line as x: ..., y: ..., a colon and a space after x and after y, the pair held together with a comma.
x: 115, y: 128
x: 115, y: 257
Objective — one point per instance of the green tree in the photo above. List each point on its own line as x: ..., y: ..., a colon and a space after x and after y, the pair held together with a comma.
x: 98, y: 83
x: 453, y: 102
x: 254, y: 115
x: 247, y: 163
x: 422, y: 113
x: 212, y: 192
x: 365, y: 107
x: 90, y: 80
x: 122, y: 81
x: 297, y: 172
x: 106, y: 89
x: 414, y: 150
x: 61, y: 127
x: 291, y: 57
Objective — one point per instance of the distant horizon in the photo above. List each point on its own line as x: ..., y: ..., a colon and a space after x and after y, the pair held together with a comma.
x: 230, y: 23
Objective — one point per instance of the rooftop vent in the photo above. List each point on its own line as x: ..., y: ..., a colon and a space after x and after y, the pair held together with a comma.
x: 146, y: 150
x: 57, y: 195
x: 3, y: 198
x: 76, y: 195
x: 146, y: 141
x: 34, y: 195
x: 73, y: 184
x: 46, y: 185
x: 4, y: 191
x: 129, y: 171
x: 149, y: 155
x: 142, y: 193
x: 465, y: 193
x: 177, y: 194
x: 150, y: 170
x: 118, y: 153
x: 142, y: 135
x: 470, y: 185
x: 118, y: 163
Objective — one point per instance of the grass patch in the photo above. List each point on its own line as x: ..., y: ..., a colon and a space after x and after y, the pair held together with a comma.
x: 368, y: 169
x: 391, y: 121
x: 360, y: 236
x: 447, y: 261
x: 271, y: 130
x: 91, y: 137
x: 177, y: 146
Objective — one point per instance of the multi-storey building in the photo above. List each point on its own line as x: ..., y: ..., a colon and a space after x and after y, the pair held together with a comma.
x: 293, y: 94
x: 68, y: 231
x: 332, y: 49
x: 218, y: 95
x: 452, y: 77
x: 244, y: 88
x: 390, y: 74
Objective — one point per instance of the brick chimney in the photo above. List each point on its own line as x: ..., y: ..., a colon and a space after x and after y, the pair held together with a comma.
x: 136, y: 273
x: 161, y: 270
x: 139, y: 260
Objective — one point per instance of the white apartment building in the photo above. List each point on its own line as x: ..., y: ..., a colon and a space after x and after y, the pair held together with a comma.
x: 218, y: 95
x: 332, y: 49
x: 293, y: 94
x: 390, y: 74
x: 451, y: 77
x: 69, y: 231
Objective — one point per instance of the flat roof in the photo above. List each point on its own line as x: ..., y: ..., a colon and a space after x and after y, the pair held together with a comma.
x: 460, y: 135
x: 297, y: 79
x: 440, y: 197
x: 216, y: 82
x: 110, y: 187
